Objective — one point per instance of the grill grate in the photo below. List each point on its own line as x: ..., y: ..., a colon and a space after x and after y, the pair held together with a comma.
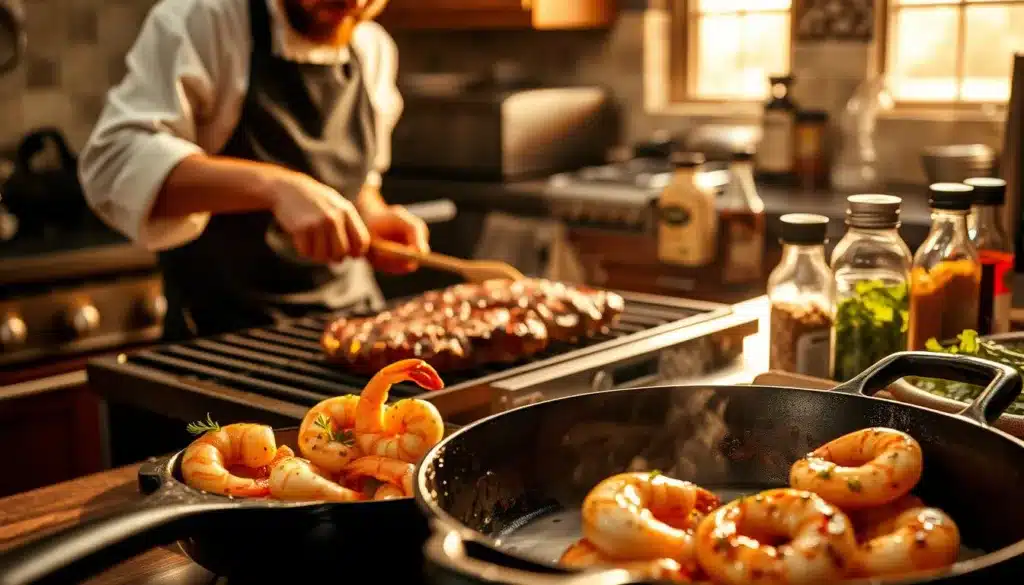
x: 286, y: 362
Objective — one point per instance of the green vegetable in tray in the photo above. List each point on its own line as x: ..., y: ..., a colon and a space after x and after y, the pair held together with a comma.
x: 870, y: 324
x: 968, y: 343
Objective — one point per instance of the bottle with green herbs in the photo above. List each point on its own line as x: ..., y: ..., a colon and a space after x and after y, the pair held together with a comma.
x: 872, y: 272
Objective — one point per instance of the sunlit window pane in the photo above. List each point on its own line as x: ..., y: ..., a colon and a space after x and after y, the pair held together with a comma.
x: 993, y: 35
x: 719, y: 53
x: 922, y: 60
x: 913, y: 2
x: 765, y: 49
x: 738, y: 5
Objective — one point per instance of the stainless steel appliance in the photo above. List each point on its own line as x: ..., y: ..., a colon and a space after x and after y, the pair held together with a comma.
x: 275, y: 374
x: 501, y: 133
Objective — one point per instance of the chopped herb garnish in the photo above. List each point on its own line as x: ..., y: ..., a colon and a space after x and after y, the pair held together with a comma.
x: 655, y: 473
x: 854, y: 485
x: 825, y: 474
x: 324, y: 423
x: 200, y: 427
x: 870, y: 324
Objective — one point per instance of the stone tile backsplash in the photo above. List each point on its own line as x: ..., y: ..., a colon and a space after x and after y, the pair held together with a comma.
x: 76, y: 52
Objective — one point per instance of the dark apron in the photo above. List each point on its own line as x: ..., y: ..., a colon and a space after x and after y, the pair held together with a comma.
x: 315, y: 119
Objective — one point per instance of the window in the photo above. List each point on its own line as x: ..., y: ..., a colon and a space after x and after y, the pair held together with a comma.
x: 733, y: 46
x: 952, y: 50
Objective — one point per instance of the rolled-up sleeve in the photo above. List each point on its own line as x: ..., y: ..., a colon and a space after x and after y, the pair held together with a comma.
x: 170, y: 105
x: 380, y: 59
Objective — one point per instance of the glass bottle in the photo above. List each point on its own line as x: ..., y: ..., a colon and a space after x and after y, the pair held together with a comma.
x: 871, y: 264
x: 946, y: 277
x: 687, y: 219
x: 801, y: 291
x: 995, y: 250
x: 777, y: 149
x: 741, y: 222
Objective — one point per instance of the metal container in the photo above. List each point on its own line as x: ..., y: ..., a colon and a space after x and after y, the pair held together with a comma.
x: 955, y: 162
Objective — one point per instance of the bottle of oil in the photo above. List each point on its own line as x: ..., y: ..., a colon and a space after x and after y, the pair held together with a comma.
x: 687, y: 219
x: 995, y: 250
x: 741, y: 222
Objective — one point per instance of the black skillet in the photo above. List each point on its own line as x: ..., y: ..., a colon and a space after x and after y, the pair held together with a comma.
x: 504, y: 493
x: 247, y: 540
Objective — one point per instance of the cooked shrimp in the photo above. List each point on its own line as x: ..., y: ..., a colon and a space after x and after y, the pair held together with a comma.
x: 325, y: 435
x: 297, y: 479
x: 206, y: 462
x: 870, y: 523
x: 406, y: 429
x: 863, y: 469
x: 389, y: 492
x: 626, y: 515
x: 583, y: 554
x: 390, y: 471
x: 919, y: 539
x: 736, y: 544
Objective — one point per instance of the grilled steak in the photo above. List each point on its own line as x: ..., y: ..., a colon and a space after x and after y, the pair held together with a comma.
x: 472, y: 324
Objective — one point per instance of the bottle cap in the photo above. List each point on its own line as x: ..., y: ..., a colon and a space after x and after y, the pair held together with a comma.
x: 988, y: 190
x: 950, y: 196
x: 684, y: 160
x: 873, y: 211
x: 803, y: 228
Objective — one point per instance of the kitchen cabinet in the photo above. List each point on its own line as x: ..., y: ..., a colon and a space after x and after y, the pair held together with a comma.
x: 496, y: 14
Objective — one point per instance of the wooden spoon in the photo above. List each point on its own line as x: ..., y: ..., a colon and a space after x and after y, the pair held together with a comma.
x: 471, y: 270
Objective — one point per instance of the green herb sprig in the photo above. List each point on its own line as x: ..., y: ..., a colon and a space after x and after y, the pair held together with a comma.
x: 970, y: 343
x: 200, y: 427
x: 870, y: 324
x: 345, y: 437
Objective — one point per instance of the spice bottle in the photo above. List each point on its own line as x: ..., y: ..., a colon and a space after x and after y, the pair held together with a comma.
x: 946, y: 278
x: 687, y: 219
x: 801, y: 291
x: 810, y: 165
x: 776, y: 151
x: 871, y: 264
x: 741, y: 222
x: 995, y: 250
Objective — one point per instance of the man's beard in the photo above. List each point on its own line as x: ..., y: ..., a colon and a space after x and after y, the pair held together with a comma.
x: 324, y: 21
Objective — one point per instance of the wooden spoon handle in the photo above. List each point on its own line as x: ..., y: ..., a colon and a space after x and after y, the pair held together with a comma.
x: 433, y: 259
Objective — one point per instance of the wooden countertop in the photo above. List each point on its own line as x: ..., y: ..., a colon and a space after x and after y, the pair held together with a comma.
x: 30, y: 514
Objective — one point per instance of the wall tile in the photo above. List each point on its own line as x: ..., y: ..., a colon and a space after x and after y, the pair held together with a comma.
x: 41, y: 73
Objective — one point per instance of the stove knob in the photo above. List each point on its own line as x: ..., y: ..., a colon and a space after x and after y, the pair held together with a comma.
x: 84, y: 319
x: 153, y: 308
x: 13, y: 331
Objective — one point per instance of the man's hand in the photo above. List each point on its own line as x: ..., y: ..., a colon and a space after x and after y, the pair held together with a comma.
x: 324, y: 226
x: 394, y: 223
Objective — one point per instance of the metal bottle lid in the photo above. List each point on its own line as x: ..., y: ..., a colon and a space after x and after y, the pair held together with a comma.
x: 803, y: 229
x: 988, y: 190
x: 873, y: 211
x: 950, y: 196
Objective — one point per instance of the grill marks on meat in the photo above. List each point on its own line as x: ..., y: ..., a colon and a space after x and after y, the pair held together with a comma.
x: 498, y: 321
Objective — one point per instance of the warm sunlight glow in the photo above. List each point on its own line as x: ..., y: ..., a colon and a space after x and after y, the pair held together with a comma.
x: 953, y: 50
x: 735, y: 45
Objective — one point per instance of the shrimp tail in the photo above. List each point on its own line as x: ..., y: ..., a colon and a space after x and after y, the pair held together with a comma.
x: 425, y: 376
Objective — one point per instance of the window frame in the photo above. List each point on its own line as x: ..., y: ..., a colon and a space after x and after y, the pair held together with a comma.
x: 682, y: 60
x: 931, y: 108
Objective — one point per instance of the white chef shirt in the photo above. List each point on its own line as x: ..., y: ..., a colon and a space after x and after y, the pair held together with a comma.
x: 188, y: 74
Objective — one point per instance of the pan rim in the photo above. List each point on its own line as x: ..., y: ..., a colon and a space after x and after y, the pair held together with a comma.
x: 434, y: 512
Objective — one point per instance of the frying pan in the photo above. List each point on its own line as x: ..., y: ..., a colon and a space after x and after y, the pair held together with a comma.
x: 243, y: 539
x: 504, y: 493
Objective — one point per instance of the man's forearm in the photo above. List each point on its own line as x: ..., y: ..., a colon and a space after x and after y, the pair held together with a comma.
x: 212, y: 184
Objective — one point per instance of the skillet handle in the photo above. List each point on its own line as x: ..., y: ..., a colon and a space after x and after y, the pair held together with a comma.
x: 1002, y: 382
x: 454, y: 556
x: 79, y: 552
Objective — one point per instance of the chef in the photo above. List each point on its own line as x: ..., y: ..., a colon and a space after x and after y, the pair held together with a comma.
x: 246, y: 145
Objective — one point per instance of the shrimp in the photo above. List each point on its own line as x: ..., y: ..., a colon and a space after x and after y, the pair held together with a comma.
x: 863, y: 469
x: 627, y: 516
x: 325, y: 435
x: 298, y: 479
x: 919, y: 539
x: 389, y: 492
x: 406, y: 429
x: 390, y: 471
x: 870, y: 523
x: 736, y: 543
x: 207, y: 461
x: 582, y: 554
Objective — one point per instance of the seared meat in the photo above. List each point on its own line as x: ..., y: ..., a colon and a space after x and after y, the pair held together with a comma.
x: 471, y: 324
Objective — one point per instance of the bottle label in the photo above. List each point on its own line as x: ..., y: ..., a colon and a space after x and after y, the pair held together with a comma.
x: 686, y: 226
x: 813, y: 353
x: 775, y: 152
x: 996, y: 296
